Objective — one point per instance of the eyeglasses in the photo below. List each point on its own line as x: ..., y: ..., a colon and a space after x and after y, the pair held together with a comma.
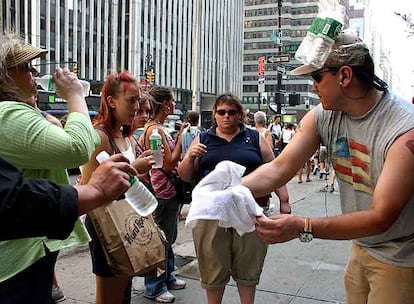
x: 26, y: 66
x: 230, y: 112
x: 317, y: 75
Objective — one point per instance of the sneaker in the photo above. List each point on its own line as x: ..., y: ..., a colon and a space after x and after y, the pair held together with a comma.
x: 58, y: 295
x: 177, y: 284
x: 331, y: 188
x: 166, y: 297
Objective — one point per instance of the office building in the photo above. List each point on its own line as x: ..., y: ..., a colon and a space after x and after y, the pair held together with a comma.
x: 275, y: 34
x: 96, y: 37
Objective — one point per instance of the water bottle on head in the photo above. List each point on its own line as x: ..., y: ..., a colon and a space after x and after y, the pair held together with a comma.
x: 156, y: 148
x: 138, y: 196
x: 317, y: 44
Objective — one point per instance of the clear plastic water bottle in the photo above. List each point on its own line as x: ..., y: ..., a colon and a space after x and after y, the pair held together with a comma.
x: 46, y: 83
x: 156, y: 146
x: 138, y: 196
x: 306, y: 45
x: 322, y: 44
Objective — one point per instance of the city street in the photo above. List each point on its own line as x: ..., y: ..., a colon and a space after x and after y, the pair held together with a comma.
x: 294, y: 272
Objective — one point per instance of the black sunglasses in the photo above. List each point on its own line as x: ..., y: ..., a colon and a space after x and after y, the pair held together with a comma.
x: 317, y: 75
x: 26, y: 66
x: 230, y: 112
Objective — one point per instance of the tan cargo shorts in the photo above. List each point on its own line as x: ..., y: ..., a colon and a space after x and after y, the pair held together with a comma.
x: 222, y: 253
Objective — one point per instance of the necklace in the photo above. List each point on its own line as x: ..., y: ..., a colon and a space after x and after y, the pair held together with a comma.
x: 157, y: 121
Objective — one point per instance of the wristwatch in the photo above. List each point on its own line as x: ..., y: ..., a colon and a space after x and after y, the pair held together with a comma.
x: 306, y: 235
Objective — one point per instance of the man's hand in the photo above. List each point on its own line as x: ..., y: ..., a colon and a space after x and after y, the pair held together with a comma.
x: 109, y: 180
x: 279, y: 228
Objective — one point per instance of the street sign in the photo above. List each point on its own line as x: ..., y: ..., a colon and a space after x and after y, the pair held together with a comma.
x: 278, y: 58
x: 276, y: 37
x: 281, y: 69
x: 261, y: 66
x: 261, y: 85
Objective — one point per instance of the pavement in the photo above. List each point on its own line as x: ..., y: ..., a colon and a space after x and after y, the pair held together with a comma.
x: 293, y: 272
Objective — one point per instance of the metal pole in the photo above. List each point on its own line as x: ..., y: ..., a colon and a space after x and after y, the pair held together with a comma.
x: 195, y: 86
x: 279, y: 74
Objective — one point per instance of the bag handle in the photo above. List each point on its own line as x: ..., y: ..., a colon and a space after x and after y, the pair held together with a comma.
x: 114, y: 147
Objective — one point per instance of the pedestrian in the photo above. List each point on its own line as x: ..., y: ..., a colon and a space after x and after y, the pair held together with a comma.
x: 323, y: 162
x: 369, y: 134
x: 140, y: 119
x: 38, y: 207
x: 282, y: 192
x: 41, y: 150
x: 166, y: 214
x: 287, y: 135
x: 189, y: 133
x: 221, y: 252
x: 119, y: 103
x: 275, y: 129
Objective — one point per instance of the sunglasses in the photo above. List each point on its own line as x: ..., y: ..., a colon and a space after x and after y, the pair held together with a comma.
x: 230, y: 112
x: 26, y: 66
x: 317, y: 75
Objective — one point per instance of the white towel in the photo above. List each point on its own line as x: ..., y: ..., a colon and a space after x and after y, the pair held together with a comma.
x: 220, y: 196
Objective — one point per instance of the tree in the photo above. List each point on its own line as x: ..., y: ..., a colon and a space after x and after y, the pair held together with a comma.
x: 409, y: 22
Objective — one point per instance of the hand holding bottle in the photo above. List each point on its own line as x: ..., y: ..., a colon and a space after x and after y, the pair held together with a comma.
x: 138, y: 196
x: 69, y: 88
x: 144, y: 162
x: 67, y: 82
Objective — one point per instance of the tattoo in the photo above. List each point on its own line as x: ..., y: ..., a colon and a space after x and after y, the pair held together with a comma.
x: 410, y: 145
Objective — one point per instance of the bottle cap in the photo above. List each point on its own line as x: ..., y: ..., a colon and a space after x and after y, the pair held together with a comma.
x: 102, y: 156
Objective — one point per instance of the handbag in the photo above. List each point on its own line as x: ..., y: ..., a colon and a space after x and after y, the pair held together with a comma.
x: 183, y: 189
x: 133, y: 244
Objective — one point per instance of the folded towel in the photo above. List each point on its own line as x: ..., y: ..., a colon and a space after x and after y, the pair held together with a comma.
x: 220, y: 196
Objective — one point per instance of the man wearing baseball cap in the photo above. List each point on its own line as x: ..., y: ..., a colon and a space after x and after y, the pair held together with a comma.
x: 370, y: 139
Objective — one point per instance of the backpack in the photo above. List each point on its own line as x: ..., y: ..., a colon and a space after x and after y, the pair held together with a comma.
x: 275, y: 138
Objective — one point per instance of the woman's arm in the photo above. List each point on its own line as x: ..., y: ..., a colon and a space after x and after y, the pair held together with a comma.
x: 28, y: 133
x: 171, y: 158
x: 92, y: 164
x: 186, y: 168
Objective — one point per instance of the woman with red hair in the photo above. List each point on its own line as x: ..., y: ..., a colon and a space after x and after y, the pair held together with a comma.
x: 119, y: 105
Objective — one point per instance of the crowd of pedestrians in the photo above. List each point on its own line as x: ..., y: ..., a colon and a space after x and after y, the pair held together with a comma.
x: 374, y: 171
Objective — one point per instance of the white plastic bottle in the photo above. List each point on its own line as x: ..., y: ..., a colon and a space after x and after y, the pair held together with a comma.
x: 156, y: 145
x: 138, y: 196
x: 322, y: 44
x: 46, y: 83
x: 306, y: 45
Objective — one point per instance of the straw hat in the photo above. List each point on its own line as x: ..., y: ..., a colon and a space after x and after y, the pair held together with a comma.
x: 22, y: 53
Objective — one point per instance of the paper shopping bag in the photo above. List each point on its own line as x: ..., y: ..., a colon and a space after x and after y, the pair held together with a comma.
x: 133, y: 244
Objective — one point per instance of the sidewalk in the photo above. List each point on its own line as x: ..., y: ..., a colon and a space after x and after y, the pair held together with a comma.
x: 293, y: 272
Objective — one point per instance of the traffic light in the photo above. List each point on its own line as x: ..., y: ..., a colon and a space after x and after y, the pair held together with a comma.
x: 148, y: 76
